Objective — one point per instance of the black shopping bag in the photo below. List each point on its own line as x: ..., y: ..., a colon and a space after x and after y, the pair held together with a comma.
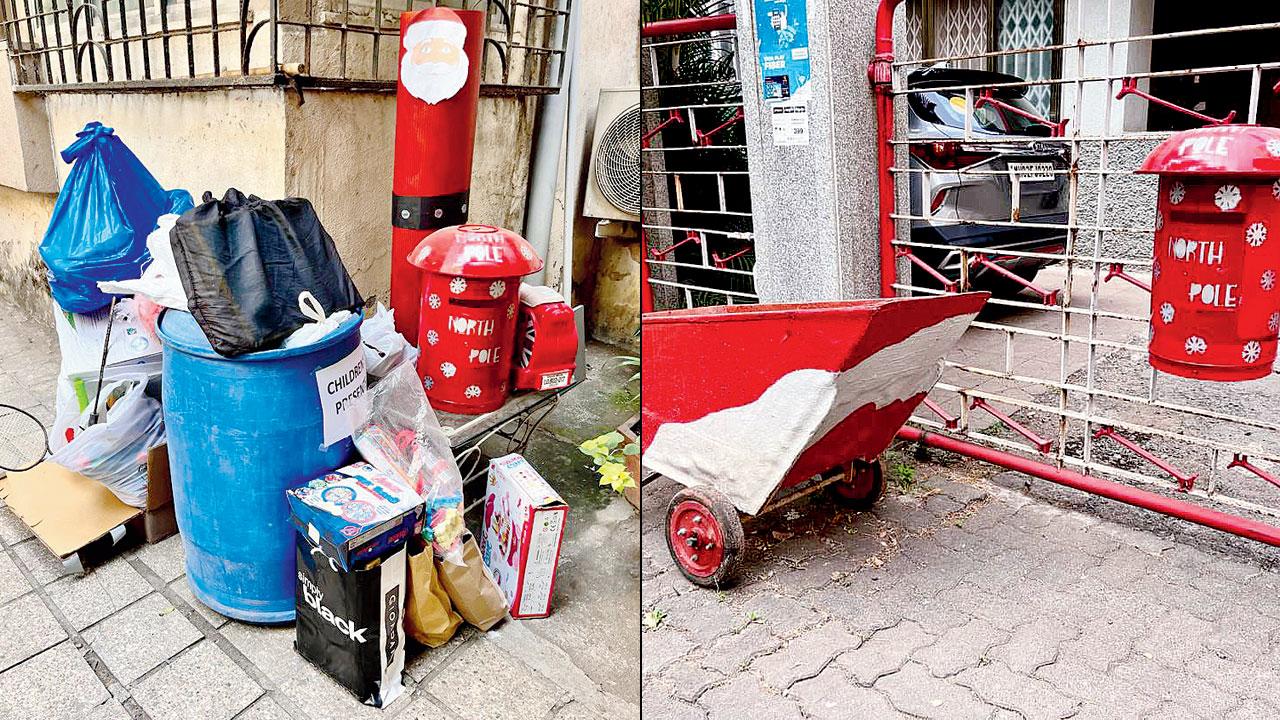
x: 244, y: 262
x: 350, y: 623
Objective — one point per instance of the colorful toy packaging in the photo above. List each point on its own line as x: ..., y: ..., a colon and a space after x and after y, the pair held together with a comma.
x: 524, y: 522
x: 355, y: 514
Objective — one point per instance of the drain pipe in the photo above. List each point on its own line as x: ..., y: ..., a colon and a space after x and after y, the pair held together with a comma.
x: 548, y: 148
x: 1234, y: 524
x: 880, y: 72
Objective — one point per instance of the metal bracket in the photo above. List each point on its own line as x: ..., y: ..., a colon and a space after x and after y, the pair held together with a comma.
x: 673, y: 117
x: 1129, y: 86
x: 722, y: 262
x: 691, y: 236
x: 1048, y: 297
x: 987, y: 96
x: 1185, y: 482
x: 947, y: 284
x: 1041, y: 444
x: 704, y: 138
x: 1242, y: 461
x: 1116, y: 270
x: 952, y: 422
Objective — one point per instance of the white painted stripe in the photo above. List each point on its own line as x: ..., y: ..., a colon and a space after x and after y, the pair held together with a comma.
x: 746, y: 451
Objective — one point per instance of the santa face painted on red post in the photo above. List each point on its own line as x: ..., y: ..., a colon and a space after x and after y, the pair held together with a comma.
x: 434, y: 67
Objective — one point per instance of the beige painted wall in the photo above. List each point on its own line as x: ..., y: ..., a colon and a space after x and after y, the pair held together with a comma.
x: 340, y: 149
x: 335, y: 149
x: 23, y: 219
x: 608, y: 56
x: 196, y: 141
x: 26, y: 158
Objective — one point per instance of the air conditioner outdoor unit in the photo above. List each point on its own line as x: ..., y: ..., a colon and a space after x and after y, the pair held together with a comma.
x: 613, y: 182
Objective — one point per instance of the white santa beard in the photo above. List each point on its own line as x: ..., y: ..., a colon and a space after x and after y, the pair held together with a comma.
x: 433, y: 82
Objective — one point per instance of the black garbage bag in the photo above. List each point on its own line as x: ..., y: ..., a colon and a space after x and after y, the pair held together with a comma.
x: 244, y: 261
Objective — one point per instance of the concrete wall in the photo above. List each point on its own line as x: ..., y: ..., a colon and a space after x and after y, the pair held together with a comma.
x: 1094, y: 20
x: 604, y: 277
x: 335, y: 149
x: 814, y: 205
x: 23, y: 218
x: 339, y: 155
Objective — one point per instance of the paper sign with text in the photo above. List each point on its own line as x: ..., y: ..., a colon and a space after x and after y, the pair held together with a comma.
x: 344, y: 396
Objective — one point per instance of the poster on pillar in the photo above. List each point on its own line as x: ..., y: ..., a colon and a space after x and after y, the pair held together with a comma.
x: 782, y: 34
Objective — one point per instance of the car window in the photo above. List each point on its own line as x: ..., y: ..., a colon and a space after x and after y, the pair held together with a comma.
x: 947, y: 108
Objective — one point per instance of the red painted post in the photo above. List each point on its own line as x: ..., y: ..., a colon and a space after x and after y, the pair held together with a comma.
x: 881, y: 75
x: 436, y: 97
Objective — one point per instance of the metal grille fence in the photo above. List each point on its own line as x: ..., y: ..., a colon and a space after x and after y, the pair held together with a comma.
x: 696, y: 214
x: 1058, y: 372
x: 69, y: 45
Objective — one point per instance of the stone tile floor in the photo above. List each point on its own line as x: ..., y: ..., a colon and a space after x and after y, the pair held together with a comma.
x: 128, y: 640
x: 965, y: 598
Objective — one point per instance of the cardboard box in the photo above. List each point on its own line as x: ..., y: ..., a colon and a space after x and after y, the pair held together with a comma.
x: 356, y: 513
x: 79, y: 519
x: 524, y: 522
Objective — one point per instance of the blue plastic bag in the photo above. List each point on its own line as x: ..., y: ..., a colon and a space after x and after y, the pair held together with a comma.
x: 101, y: 220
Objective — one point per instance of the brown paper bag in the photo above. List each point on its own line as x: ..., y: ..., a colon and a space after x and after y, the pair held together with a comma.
x: 428, y: 615
x: 474, y: 593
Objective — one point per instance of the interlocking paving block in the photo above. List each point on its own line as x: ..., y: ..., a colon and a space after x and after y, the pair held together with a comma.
x: 914, y: 691
x: 1034, y: 699
x: 140, y: 637
x: 57, y: 684
x: 960, y: 647
x: 805, y: 655
x: 30, y: 628
x: 735, y: 652
x: 201, y: 682
x: 86, y: 599
x: 482, y: 683
x: 884, y: 652
x: 744, y: 697
x: 832, y: 696
x: 12, y: 529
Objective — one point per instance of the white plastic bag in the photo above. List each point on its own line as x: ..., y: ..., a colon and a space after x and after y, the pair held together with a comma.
x: 403, y: 439
x: 134, y: 349
x: 384, y: 348
x: 159, y: 280
x: 114, y: 451
x: 319, y: 327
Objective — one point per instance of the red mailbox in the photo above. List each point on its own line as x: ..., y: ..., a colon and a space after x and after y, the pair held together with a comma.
x: 548, y: 338
x: 467, y: 332
x: 1215, y: 304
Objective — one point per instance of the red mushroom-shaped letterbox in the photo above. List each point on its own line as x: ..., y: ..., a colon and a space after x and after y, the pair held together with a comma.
x: 1215, y: 294
x: 467, y: 330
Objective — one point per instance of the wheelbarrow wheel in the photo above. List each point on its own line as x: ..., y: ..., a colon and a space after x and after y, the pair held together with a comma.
x: 704, y: 535
x: 861, y: 486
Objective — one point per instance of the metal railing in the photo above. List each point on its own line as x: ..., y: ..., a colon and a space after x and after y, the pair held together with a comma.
x: 1055, y: 378
x: 82, y: 45
x: 696, y: 214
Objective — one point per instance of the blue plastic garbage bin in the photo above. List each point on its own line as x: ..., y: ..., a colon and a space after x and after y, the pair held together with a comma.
x: 241, y: 431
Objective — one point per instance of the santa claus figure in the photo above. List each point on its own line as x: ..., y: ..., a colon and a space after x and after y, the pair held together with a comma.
x: 434, y: 66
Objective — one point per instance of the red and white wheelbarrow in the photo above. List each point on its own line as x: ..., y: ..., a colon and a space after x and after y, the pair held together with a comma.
x: 751, y: 407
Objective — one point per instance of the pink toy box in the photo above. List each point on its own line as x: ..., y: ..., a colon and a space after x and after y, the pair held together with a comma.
x: 524, y: 521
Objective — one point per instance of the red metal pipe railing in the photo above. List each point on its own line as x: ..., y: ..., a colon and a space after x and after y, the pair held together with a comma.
x: 952, y: 422
x: 1144, y: 499
x: 722, y: 262
x: 704, y: 138
x: 685, y: 26
x: 689, y: 237
x: 1129, y: 86
x: 880, y: 73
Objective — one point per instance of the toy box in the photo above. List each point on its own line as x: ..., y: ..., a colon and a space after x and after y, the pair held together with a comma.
x: 524, y: 522
x: 355, y: 513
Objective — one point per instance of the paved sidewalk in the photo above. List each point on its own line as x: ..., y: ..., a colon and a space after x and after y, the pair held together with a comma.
x: 966, y: 598
x: 128, y: 640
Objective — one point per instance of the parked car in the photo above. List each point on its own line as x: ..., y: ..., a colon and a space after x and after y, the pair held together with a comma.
x: 973, y: 179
